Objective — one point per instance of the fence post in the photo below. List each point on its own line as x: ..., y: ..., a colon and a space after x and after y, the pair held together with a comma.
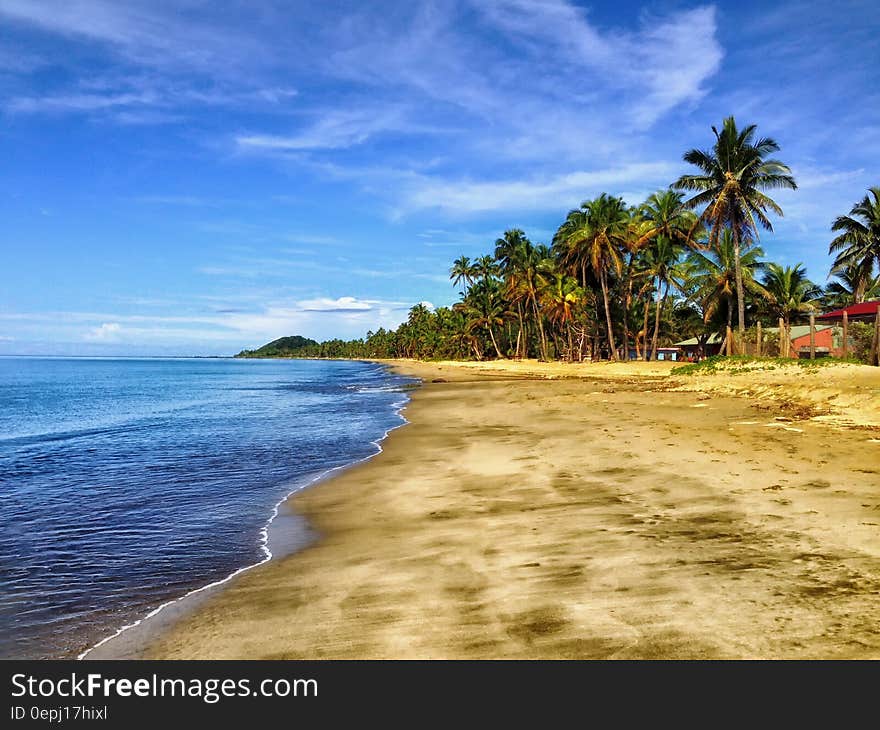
x: 875, y: 342
x: 812, y: 335
x: 758, y: 352
x: 845, y: 334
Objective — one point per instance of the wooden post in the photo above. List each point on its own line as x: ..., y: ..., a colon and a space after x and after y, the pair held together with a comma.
x: 783, y: 346
x: 845, y: 334
x: 875, y: 343
x: 812, y: 335
x: 758, y: 351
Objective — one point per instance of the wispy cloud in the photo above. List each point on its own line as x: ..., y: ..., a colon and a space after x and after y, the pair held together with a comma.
x: 336, y: 129
x: 342, y: 304
x: 557, y: 192
x: 397, y: 134
x: 145, y: 32
x: 135, y: 96
x: 222, y: 331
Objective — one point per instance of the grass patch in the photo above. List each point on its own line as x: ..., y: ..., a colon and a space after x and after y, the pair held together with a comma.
x: 739, y: 364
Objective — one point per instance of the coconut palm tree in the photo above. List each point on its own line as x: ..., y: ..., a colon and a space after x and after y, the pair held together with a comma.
x: 850, y: 288
x: 462, y: 271
x: 486, y: 267
x: 666, y: 226
x: 597, y: 236
x: 660, y: 260
x: 512, y: 252
x: 858, y: 245
x: 733, y: 175
x: 484, y: 309
x: 789, y: 291
x: 560, y: 298
x: 664, y: 215
x: 713, y: 276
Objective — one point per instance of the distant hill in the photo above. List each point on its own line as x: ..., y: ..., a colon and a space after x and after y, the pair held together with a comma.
x: 294, y: 346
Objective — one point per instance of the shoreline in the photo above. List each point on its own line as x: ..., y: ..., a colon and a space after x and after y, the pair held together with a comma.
x: 352, y: 593
x: 131, y: 640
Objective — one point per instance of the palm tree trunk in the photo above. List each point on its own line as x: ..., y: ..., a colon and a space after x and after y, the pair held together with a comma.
x: 786, y: 326
x: 627, y: 300
x: 725, y: 345
x: 612, y: 348
x: 657, y: 311
x: 494, y: 344
x: 540, y: 328
x: 645, y: 329
x: 740, y: 294
x: 519, y: 337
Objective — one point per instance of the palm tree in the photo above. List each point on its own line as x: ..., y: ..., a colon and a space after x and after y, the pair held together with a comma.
x: 485, y: 267
x: 665, y: 215
x: 668, y: 224
x: 462, y: 271
x: 850, y: 288
x: 789, y: 291
x: 512, y: 252
x: 560, y: 297
x: 484, y: 309
x: 858, y: 244
x: 734, y: 173
x: 713, y: 276
x: 597, y: 236
x: 659, y: 260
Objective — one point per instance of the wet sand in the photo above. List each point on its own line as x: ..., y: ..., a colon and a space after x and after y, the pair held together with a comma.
x: 520, y: 517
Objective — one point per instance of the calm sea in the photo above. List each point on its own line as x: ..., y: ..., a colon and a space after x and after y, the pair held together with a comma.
x: 128, y: 482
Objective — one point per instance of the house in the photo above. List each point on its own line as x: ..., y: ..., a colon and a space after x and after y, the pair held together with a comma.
x: 696, y: 348
x: 829, y: 340
x: 663, y: 353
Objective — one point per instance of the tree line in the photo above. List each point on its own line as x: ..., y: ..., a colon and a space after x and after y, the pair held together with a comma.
x: 621, y: 280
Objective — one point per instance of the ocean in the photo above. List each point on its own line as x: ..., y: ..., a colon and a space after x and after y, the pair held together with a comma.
x: 126, y: 483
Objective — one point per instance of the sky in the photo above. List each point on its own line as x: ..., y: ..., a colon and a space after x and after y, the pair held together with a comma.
x: 195, y: 178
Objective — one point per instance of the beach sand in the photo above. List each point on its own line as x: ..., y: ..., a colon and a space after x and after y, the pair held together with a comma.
x: 525, y: 513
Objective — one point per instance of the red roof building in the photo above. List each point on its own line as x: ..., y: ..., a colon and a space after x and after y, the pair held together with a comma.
x: 863, y: 312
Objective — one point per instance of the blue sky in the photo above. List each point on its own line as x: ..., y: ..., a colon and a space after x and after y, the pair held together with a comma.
x: 194, y: 177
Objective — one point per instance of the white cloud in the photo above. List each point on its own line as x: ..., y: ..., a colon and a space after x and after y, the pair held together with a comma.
x: 545, y: 193
x: 342, y: 304
x: 144, y: 32
x: 225, y: 331
x: 142, y: 100
x: 665, y: 63
x: 811, y: 177
x: 106, y: 331
x: 338, y: 129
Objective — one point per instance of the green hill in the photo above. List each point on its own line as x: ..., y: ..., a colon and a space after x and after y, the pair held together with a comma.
x: 294, y: 346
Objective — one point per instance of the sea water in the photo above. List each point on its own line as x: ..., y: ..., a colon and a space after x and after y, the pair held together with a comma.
x: 125, y: 483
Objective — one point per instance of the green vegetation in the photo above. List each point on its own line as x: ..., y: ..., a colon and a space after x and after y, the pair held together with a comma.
x: 620, y: 281
x: 293, y: 346
x: 739, y: 364
x: 734, y: 174
x: 858, y: 246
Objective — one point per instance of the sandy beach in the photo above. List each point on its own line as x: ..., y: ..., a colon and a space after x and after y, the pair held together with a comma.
x: 526, y: 513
